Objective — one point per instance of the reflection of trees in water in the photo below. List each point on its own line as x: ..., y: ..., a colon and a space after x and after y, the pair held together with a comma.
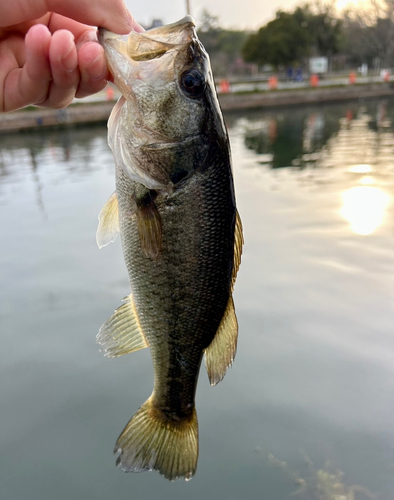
x: 352, y: 149
x: 306, y: 130
x: 75, y: 149
x: 291, y: 128
x: 3, y: 165
x: 37, y: 183
x: 62, y: 145
x: 363, y: 143
x: 66, y: 140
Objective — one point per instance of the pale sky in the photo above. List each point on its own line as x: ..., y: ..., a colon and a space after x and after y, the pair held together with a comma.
x: 242, y: 14
x: 232, y: 13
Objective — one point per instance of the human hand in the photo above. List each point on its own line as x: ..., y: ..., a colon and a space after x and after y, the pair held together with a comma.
x: 49, y: 52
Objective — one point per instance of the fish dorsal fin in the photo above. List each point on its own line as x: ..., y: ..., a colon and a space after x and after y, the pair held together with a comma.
x: 238, y: 244
x: 122, y: 333
x: 108, y: 227
x: 220, y: 354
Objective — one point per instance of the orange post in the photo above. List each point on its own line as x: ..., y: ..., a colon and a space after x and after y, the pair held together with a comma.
x: 224, y: 86
x: 352, y: 78
x: 314, y: 81
x: 273, y: 82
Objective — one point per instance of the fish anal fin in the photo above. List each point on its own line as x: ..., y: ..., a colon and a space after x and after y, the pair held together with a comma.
x: 238, y: 244
x: 149, y: 228
x: 122, y: 332
x: 108, y: 227
x: 219, y: 355
x: 152, y: 442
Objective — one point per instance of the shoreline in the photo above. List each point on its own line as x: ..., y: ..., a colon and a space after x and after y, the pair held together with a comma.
x: 277, y: 98
x: 82, y: 113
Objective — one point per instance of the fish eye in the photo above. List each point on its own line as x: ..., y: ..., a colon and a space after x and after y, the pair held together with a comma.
x: 192, y: 83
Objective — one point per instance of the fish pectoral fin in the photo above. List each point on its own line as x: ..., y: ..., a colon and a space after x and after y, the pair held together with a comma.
x: 122, y: 332
x: 220, y: 354
x: 238, y: 244
x: 149, y: 227
x: 108, y: 227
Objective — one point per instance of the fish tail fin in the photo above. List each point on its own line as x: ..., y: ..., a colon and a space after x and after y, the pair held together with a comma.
x: 152, y: 441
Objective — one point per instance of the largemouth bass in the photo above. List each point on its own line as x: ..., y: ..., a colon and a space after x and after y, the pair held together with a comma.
x: 174, y: 207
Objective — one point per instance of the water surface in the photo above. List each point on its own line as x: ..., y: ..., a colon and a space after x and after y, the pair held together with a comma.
x: 307, y: 407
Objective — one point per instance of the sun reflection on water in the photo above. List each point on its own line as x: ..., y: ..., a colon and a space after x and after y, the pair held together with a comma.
x: 367, y: 180
x: 360, y: 169
x: 354, y: 158
x: 364, y: 207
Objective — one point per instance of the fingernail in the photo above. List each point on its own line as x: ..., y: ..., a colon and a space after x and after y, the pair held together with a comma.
x: 97, y: 68
x: 138, y: 28
x: 133, y: 25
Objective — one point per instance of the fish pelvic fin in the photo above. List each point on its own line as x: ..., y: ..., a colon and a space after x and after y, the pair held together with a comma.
x: 238, y: 244
x: 122, y: 332
x: 108, y: 227
x: 152, y: 441
x: 220, y: 353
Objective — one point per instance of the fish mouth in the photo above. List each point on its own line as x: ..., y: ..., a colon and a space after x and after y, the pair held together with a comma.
x: 135, y: 57
x: 151, y: 44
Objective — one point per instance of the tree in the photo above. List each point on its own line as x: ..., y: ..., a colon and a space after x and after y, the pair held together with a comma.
x: 282, y: 41
x: 208, y: 22
x: 370, y: 32
x: 325, y: 28
x: 223, y: 46
x: 311, y: 29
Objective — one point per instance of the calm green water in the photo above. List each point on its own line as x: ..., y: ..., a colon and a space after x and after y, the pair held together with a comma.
x: 307, y: 407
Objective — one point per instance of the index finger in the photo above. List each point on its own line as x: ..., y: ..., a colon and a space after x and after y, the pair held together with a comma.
x: 110, y: 14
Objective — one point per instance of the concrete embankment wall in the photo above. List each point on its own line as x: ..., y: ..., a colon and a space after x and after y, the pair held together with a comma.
x: 82, y: 113
x: 37, y: 118
x: 231, y: 102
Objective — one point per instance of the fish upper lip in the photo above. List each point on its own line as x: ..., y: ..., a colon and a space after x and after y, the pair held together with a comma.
x: 103, y: 34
